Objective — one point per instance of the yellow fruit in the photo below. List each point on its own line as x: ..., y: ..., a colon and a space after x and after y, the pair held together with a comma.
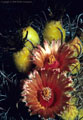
x: 71, y: 112
x: 80, y: 114
x: 32, y: 36
x: 76, y: 45
x: 52, y: 33
x: 75, y: 67
x: 22, y: 60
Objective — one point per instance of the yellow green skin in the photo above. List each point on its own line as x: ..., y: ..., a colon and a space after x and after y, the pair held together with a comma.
x: 75, y: 68
x: 32, y: 36
x: 51, y: 31
x: 76, y: 45
x: 22, y: 60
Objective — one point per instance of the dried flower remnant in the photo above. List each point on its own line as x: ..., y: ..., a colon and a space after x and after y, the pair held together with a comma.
x: 46, y: 93
x: 54, y: 56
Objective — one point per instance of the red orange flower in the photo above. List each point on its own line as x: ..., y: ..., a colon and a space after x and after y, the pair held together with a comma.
x: 46, y: 93
x: 54, y: 56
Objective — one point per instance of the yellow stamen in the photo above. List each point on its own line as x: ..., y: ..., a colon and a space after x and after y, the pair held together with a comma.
x: 46, y: 93
x: 52, y: 59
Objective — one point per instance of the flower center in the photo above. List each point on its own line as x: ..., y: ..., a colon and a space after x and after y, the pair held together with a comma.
x: 52, y: 59
x: 46, y: 93
x: 46, y: 97
x: 51, y: 62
